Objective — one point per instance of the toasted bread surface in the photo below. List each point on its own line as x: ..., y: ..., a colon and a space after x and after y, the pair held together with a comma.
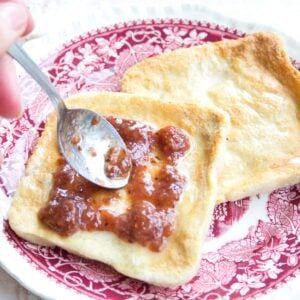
x: 254, y: 82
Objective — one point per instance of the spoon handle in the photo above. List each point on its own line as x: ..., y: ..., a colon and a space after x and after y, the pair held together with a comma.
x: 18, y: 53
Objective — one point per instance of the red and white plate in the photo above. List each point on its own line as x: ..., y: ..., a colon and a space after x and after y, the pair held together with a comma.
x: 253, y: 244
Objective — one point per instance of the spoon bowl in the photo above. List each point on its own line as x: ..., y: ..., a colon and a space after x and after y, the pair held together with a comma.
x: 88, y: 142
x: 84, y: 138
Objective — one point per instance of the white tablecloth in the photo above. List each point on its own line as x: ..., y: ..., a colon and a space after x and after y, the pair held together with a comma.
x: 57, y: 21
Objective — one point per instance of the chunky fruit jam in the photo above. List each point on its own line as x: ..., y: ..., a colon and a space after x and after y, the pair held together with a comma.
x: 154, y: 189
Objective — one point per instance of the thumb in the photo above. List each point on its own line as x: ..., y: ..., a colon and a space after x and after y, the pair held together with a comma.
x: 13, y: 23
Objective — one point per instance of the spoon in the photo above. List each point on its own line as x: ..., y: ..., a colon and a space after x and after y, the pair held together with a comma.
x: 85, y: 138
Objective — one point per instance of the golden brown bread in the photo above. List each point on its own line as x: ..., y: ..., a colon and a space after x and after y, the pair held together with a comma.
x: 179, y: 261
x: 251, y: 79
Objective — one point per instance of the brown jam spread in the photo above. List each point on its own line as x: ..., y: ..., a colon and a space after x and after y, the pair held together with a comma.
x: 154, y: 189
x: 75, y: 139
x: 117, y: 163
x: 95, y: 121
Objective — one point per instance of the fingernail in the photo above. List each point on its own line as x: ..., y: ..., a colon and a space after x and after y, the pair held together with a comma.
x: 14, y: 14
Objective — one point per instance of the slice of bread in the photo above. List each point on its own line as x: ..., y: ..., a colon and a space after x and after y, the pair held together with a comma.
x: 179, y: 260
x: 254, y: 82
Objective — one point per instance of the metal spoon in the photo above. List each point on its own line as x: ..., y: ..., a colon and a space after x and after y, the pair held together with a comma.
x: 84, y: 137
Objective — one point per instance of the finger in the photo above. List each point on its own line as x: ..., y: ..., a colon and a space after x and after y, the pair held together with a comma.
x: 30, y: 22
x: 13, y: 23
x: 10, y: 105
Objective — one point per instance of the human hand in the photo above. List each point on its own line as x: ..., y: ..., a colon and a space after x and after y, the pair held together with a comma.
x: 15, y: 21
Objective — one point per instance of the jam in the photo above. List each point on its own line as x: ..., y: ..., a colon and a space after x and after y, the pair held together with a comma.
x: 154, y: 188
x: 173, y: 142
x: 75, y: 139
x: 95, y: 120
x: 117, y: 163
x: 92, y: 151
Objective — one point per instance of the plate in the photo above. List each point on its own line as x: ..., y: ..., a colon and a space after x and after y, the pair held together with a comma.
x: 252, y: 246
